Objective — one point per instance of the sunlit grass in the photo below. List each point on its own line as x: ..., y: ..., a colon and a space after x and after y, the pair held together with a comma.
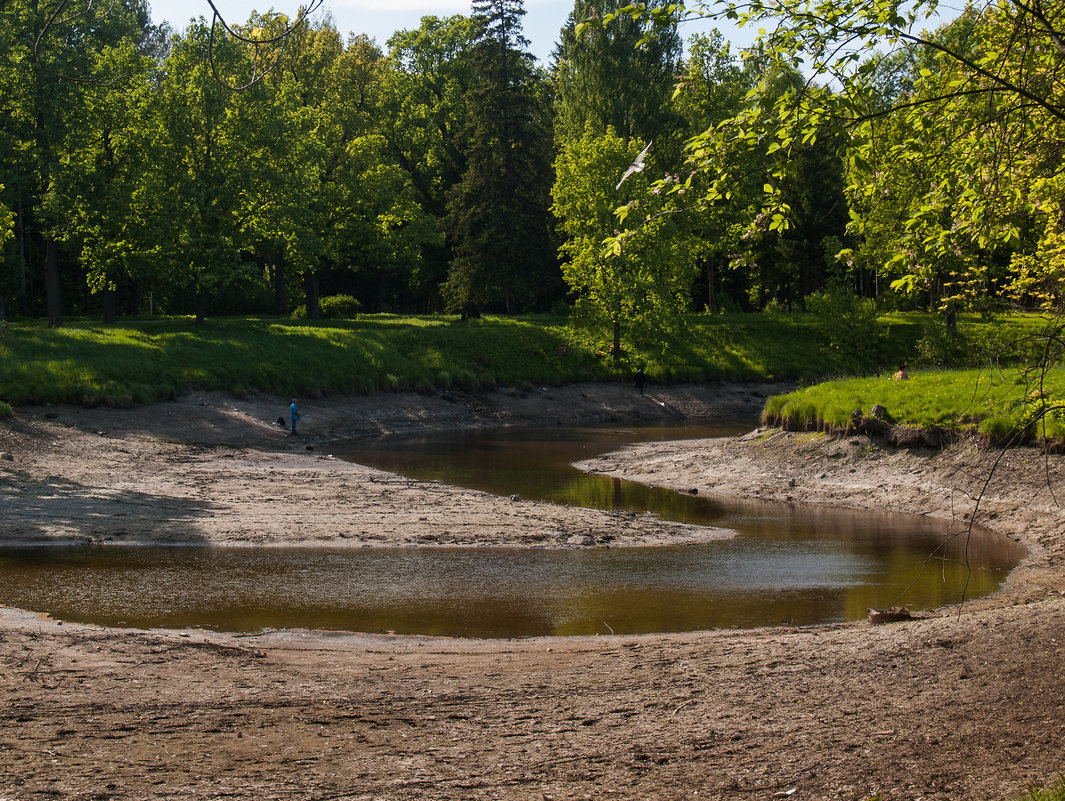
x: 152, y: 360
x: 999, y: 403
x: 140, y: 361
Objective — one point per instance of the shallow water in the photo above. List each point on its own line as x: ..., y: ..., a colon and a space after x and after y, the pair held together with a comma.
x: 787, y: 565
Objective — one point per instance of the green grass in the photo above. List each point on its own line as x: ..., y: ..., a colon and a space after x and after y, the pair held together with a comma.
x: 141, y: 361
x: 1055, y: 792
x: 996, y: 402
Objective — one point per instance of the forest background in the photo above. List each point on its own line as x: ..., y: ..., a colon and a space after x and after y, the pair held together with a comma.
x: 849, y: 163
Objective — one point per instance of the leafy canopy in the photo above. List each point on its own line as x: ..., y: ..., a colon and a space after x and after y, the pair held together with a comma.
x: 982, y: 117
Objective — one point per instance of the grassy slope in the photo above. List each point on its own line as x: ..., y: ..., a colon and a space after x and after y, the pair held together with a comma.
x: 994, y: 400
x: 150, y: 360
x: 144, y: 361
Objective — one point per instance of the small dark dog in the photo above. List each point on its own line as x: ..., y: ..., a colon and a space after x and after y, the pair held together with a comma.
x: 281, y: 422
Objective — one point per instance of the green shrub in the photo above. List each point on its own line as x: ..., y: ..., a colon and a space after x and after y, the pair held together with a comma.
x: 5, y: 410
x: 847, y: 322
x: 339, y: 307
x: 939, y: 347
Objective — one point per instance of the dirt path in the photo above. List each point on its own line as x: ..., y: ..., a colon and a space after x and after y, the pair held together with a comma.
x: 960, y: 704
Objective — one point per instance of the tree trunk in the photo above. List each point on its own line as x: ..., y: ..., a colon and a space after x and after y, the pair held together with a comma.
x: 20, y: 234
x: 382, y: 294
x: 53, y: 302
x: 109, y: 303
x: 616, y: 349
x: 314, y: 309
x: 201, y: 306
x: 711, y: 293
x: 280, y: 288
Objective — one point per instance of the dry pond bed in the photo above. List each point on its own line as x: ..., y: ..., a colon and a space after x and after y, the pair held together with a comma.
x: 961, y: 703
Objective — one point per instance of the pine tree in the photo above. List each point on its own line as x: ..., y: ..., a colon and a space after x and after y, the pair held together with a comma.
x: 605, y: 78
x: 498, y: 214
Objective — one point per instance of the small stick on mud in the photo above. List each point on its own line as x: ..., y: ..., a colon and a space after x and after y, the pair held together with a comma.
x: 675, y: 711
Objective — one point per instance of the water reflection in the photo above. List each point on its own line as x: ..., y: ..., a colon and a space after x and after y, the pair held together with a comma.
x: 505, y: 592
x: 798, y: 565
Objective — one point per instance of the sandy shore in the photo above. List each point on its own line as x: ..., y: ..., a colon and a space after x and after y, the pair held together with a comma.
x: 962, y: 703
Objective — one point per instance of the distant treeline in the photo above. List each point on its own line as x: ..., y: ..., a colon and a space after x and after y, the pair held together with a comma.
x: 284, y: 168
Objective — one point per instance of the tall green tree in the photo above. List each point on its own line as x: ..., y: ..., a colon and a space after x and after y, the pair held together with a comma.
x: 95, y: 191
x: 714, y: 85
x: 428, y: 75
x: 619, y: 75
x: 790, y: 260
x: 998, y: 94
x: 203, y: 135
x: 641, y: 285
x: 498, y: 217
x: 938, y: 162
x: 425, y: 82
x: 301, y: 127
x: 52, y: 64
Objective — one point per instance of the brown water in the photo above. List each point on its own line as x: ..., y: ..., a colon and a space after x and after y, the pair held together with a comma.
x: 787, y: 565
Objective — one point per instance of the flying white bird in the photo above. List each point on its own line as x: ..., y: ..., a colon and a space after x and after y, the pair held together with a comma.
x: 636, y: 166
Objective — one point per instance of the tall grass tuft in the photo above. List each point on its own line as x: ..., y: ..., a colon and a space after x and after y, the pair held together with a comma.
x: 1055, y: 792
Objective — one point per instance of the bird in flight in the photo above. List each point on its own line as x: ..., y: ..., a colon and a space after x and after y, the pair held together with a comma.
x: 636, y: 166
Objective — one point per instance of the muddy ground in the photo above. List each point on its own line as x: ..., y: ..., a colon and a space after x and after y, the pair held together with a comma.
x: 962, y: 703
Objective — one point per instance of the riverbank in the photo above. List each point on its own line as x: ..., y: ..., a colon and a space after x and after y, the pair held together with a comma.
x: 959, y: 704
x: 212, y: 469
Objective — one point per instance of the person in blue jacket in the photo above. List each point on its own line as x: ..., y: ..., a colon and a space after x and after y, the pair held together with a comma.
x: 293, y: 414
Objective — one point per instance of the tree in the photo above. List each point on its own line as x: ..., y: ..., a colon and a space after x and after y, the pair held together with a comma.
x: 714, y: 86
x: 43, y: 109
x: 976, y: 227
x: 620, y: 75
x: 302, y: 123
x: 204, y: 134
x: 498, y: 218
x: 389, y: 231
x: 998, y: 91
x: 641, y: 285
x: 424, y: 86
x: 790, y: 259
x: 95, y: 191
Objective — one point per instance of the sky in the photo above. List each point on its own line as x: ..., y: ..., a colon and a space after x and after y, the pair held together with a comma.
x: 379, y: 19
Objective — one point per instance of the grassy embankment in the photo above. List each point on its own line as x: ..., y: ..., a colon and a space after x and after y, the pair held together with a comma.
x: 978, y: 380
x: 998, y: 402
x: 145, y: 361
x: 150, y: 360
